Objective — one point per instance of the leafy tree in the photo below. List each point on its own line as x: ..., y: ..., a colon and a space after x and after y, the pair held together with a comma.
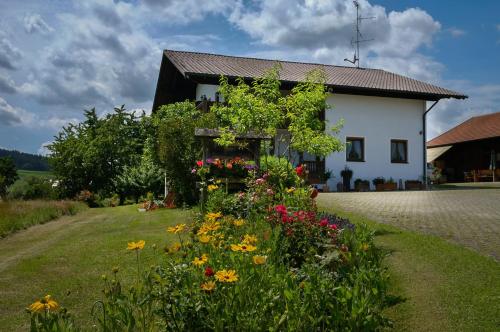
x: 177, y: 149
x: 263, y: 109
x: 91, y: 154
x: 138, y: 180
x: 8, y: 175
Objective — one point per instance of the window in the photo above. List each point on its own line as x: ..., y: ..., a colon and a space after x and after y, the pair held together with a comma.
x: 355, y: 149
x: 399, y: 151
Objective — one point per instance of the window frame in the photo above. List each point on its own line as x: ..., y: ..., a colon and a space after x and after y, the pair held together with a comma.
x: 396, y: 140
x: 356, y: 138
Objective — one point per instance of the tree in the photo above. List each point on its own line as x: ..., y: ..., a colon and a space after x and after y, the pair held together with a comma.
x: 91, y: 154
x: 8, y: 175
x: 177, y: 149
x: 260, y: 107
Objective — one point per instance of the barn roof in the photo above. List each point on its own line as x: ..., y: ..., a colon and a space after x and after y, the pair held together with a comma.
x: 476, y: 128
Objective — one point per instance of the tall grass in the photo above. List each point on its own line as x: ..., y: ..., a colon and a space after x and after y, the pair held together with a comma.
x: 16, y: 215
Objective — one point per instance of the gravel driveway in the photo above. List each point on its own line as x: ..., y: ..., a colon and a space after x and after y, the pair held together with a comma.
x: 470, y: 217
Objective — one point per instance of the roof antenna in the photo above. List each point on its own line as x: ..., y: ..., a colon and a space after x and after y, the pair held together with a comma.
x: 359, y: 37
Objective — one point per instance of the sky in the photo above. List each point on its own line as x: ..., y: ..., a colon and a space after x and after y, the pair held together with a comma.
x: 60, y: 57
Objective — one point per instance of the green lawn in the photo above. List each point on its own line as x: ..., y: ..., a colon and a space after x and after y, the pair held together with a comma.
x: 66, y: 258
x: 44, y: 174
x: 447, y: 287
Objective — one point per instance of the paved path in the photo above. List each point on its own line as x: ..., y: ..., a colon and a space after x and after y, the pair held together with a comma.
x: 470, y: 217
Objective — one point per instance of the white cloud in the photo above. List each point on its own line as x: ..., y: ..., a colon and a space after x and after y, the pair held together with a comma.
x: 7, y: 85
x: 43, y: 150
x: 10, y: 115
x: 9, y: 54
x: 184, y: 11
x: 456, y: 32
x: 34, y: 23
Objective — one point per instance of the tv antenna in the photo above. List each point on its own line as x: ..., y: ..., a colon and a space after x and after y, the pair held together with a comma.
x: 359, y: 37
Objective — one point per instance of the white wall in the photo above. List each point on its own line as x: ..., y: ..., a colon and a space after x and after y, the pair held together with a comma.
x: 378, y: 120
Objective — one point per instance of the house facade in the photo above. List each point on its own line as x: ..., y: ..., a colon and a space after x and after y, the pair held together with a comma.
x: 383, y: 113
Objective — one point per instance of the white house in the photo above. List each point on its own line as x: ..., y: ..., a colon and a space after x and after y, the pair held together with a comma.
x: 384, y: 113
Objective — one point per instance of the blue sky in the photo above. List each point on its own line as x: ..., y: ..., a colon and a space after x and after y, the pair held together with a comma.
x: 58, y: 57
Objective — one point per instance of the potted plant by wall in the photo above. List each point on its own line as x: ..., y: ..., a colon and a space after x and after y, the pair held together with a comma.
x: 361, y: 185
x: 413, y: 185
x: 324, y: 177
x: 379, y: 183
x: 346, y: 175
x: 391, y: 185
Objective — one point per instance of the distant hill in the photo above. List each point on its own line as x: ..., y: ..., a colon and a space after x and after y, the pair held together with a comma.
x: 27, y: 161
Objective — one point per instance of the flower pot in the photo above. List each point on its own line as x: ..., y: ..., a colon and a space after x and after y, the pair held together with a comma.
x: 362, y: 187
x: 413, y: 185
x: 386, y: 186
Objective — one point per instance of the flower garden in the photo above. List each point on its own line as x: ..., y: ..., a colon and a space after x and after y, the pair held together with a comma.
x: 263, y: 258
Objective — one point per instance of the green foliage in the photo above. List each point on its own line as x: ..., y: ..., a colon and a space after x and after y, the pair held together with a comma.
x: 26, y: 161
x: 59, y: 320
x: 177, y: 149
x: 304, y: 104
x: 256, y: 107
x: 138, y: 180
x: 8, y: 174
x: 91, y: 154
x: 17, y: 215
x: 280, y: 171
x: 32, y: 187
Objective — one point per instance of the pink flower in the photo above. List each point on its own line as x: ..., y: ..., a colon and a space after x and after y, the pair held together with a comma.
x: 260, y: 181
x: 241, y: 195
x: 323, y: 222
x: 193, y: 171
x: 333, y: 226
x: 269, y: 191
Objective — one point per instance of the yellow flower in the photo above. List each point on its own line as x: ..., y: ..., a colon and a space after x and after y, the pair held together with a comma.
x: 365, y: 247
x: 176, y: 229
x: 136, y: 245
x: 175, y: 247
x: 208, y: 226
x: 213, y: 216
x: 238, y: 222
x: 249, y: 239
x: 226, y: 276
x: 259, y: 260
x: 200, y: 261
x: 204, y: 238
x: 243, y: 247
x: 208, y: 286
x: 290, y: 190
x: 46, y: 303
x: 218, y: 181
x: 212, y: 187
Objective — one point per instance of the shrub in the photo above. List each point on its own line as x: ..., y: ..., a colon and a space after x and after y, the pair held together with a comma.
x: 32, y: 187
x: 280, y: 172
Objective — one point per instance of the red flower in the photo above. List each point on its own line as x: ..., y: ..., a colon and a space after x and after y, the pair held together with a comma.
x: 299, y: 170
x: 229, y: 166
x: 333, y: 226
x: 280, y: 209
x: 199, y: 163
x: 209, y: 272
x: 323, y: 222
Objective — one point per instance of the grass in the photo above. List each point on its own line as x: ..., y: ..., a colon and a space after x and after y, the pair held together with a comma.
x: 43, y: 174
x: 66, y: 258
x: 447, y: 287
x: 16, y: 215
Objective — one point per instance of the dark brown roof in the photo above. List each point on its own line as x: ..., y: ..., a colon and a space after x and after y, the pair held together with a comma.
x: 341, y: 79
x: 476, y: 128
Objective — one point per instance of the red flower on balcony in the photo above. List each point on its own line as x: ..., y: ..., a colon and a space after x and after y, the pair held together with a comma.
x: 299, y: 170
